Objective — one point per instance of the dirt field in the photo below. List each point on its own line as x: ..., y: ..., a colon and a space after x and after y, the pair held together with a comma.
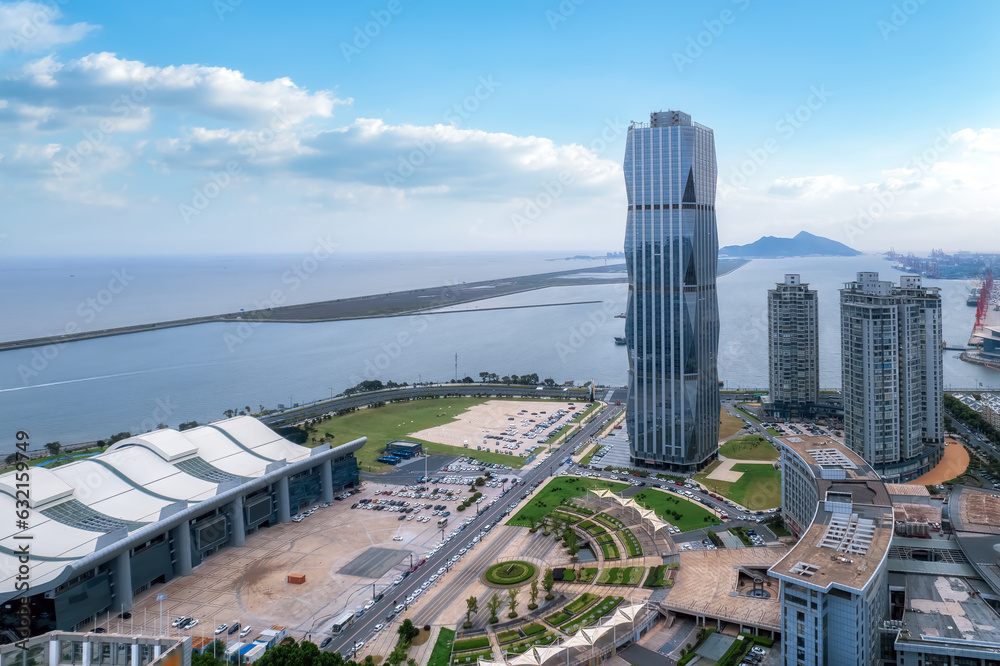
x: 953, y: 463
x: 493, y: 418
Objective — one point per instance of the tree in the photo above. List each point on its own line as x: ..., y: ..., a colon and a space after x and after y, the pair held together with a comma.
x: 407, y: 632
x: 472, y: 605
x: 494, y: 604
x: 53, y: 448
x: 550, y: 382
x: 512, y: 593
x: 534, y: 595
x: 480, y: 481
x: 484, y: 377
x: 548, y: 582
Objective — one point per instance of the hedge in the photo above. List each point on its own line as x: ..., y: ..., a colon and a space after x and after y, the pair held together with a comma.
x: 557, y: 618
x: 532, y: 629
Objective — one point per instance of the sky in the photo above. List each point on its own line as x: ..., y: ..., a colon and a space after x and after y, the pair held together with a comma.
x: 242, y: 126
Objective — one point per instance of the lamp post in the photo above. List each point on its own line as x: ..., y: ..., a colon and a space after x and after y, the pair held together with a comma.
x: 160, y: 598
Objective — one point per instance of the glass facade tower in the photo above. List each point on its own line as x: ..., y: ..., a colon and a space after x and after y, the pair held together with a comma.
x: 672, y: 320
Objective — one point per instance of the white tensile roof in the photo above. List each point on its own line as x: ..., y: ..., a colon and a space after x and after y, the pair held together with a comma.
x: 129, y: 485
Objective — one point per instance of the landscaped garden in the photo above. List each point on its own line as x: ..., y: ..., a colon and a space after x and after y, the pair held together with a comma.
x: 679, y: 512
x: 595, y: 612
x: 557, y: 492
x: 631, y: 542
x: 759, y: 486
x: 621, y: 575
x: 510, y: 573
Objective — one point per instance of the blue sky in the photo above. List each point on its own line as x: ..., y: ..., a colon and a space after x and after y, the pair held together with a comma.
x: 222, y: 126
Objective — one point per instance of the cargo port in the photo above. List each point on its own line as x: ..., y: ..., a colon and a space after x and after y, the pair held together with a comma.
x: 984, y: 342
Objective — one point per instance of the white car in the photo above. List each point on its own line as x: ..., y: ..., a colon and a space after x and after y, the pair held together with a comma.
x: 378, y: 627
x: 246, y: 630
x: 219, y: 629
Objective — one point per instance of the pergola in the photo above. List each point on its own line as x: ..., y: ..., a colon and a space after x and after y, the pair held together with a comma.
x: 586, y: 637
x: 653, y: 522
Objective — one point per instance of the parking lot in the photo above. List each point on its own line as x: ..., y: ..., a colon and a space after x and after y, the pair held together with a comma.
x: 249, y: 585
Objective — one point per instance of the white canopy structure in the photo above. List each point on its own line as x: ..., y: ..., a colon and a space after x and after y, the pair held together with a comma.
x: 536, y: 656
x: 587, y: 637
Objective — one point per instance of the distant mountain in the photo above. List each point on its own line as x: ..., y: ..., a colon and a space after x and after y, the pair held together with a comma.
x: 804, y: 244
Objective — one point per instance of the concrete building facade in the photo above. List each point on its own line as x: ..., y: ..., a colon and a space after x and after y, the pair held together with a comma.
x: 672, y: 317
x: 793, y: 348
x: 893, y: 386
x: 834, y: 585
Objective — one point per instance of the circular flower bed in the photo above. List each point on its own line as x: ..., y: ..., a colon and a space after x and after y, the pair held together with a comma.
x: 510, y: 573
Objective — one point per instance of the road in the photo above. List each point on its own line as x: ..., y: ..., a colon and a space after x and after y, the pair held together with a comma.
x: 363, y: 628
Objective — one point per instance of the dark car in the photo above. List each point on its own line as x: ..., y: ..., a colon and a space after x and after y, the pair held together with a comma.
x: 326, y: 641
x: 234, y: 628
x: 100, y: 630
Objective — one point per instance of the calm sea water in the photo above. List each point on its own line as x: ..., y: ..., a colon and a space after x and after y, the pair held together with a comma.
x: 91, y: 389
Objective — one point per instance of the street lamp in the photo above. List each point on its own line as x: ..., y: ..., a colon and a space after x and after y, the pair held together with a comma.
x: 160, y: 598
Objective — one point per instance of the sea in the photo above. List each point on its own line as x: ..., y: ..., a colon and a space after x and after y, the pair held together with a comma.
x: 91, y: 389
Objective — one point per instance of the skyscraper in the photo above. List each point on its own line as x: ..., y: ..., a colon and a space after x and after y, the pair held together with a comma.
x: 793, y: 348
x: 672, y: 321
x: 892, y: 373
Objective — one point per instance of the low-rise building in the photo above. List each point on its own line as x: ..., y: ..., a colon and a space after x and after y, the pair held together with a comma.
x: 152, y: 507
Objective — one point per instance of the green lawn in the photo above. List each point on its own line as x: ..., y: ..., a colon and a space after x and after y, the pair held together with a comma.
x: 610, y: 551
x: 556, y: 492
x: 621, y: 576
x: 758, y: 488
x: 557, y: 618
x: 602, y: 608
x: 585, y: 460
x: 631, y: 542
x: 397, y: 420
x: 679, y: 512
x: 751, y: 447
x: 580, y: 603
x: 656, y: 577
x: 442, y: 648
x: 587, y: 574
x: 472, y: 643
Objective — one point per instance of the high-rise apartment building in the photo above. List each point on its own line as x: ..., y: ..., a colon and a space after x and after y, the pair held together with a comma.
x: 892, y: 374
x: 672, y: 321
x: 793, y: 348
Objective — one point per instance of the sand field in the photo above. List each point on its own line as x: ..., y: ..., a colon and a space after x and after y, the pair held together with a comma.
x: 954, y: 462
x: 492, y: 418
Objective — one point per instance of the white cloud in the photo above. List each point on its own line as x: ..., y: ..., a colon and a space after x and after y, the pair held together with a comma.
x: 409, y: 160
x: 810, y: 187
x: 51, y: 96
x: 30, y: 27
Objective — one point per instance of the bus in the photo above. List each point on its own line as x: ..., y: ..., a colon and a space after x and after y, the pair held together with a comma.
x: 342, y: 622
x: 442, y: 522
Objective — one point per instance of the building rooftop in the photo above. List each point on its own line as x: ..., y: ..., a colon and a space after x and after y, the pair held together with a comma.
x: 86, y: 505
x: 709, y: 583
x: 828, y: 458
x: 853, y: 526
x: 941, y: 609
